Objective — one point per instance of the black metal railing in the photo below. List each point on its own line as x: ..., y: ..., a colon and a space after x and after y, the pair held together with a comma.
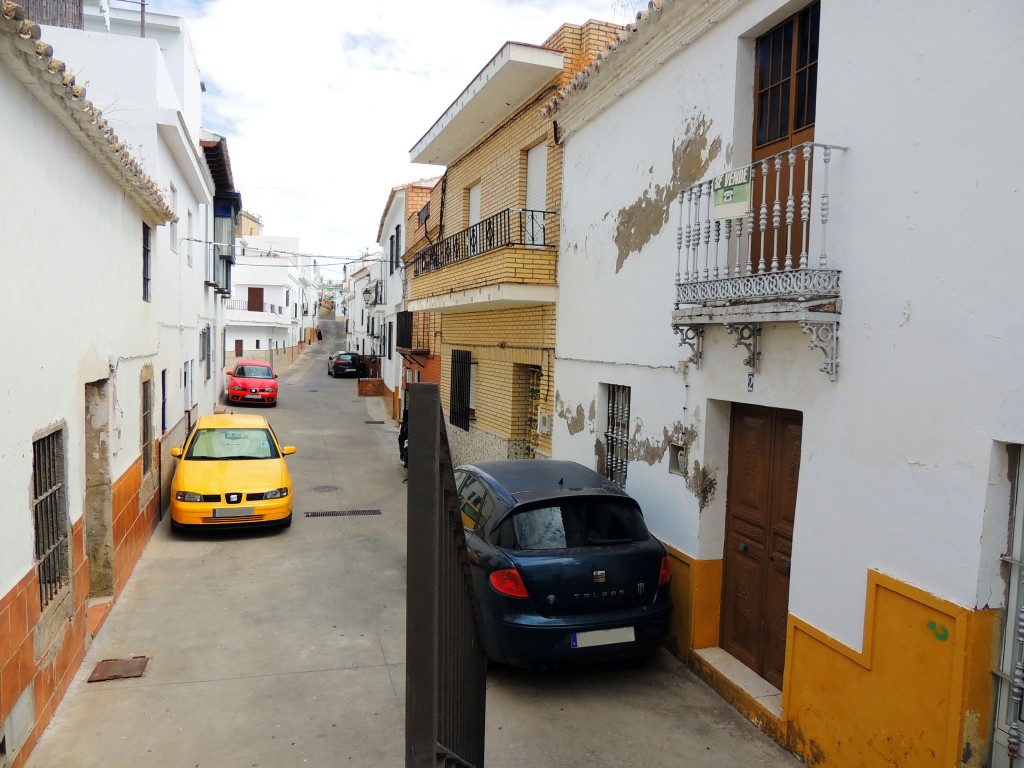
x: 512, y: 226
x: 446, y: 668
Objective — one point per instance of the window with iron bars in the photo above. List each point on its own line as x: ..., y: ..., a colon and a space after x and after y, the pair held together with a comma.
x: 617, y: 435
x: 460, y: 406
x: 50, y: 515
x: 146, y: 258
x: 147, y: 426
x: 207, y: 352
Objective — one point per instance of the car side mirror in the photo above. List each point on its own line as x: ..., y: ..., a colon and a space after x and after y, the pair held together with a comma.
x: 288, y: 450
x: 275, y: 375
x: 175, y: 452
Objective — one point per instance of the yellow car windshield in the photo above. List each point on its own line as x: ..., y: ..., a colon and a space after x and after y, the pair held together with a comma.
x: 231, y: 444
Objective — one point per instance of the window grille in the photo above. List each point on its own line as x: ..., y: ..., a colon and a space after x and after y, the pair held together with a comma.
x: 617, y: 435
x: 459, y: 409
x: 1010, y: 721
x: 390, y: 338
x: 49, y: 507
x: 172, y: 226
x: 147, y: 426
x: 208, y: 351
x: 145, y: 262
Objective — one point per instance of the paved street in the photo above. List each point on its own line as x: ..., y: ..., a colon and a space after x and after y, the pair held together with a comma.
x: 287, y: 648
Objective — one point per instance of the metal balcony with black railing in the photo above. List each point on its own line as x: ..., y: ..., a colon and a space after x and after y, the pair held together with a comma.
x: 512, y: 226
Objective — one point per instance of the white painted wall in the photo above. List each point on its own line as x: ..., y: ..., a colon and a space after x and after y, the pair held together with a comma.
x: 394, y: 286
x: 90, y: 322
x: 896, y: 455
x: 150, y: 92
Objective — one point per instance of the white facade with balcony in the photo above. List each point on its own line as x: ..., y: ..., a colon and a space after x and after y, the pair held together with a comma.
x: 816, y: 396
x: 272, y: 311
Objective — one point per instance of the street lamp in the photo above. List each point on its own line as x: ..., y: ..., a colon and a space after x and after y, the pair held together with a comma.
x: 367, y: 293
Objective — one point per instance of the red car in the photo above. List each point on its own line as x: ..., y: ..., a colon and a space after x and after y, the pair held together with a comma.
x: 252, y: 381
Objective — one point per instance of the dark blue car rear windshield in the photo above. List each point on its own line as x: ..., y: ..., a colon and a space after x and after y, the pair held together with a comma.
x: 568, y: 523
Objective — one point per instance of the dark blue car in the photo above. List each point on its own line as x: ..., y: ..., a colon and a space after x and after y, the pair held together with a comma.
x: 564, y: 567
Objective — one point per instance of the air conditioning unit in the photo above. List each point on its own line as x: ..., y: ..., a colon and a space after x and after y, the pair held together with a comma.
x: 543, y: 422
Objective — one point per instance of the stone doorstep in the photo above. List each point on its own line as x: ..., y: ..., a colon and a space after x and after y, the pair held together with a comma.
x: 97, y: 610
x: 753, y: 697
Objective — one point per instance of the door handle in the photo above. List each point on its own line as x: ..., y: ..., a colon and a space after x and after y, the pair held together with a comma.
x: 743, y: 546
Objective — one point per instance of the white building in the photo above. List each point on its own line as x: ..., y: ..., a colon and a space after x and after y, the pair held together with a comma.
x: 153, y: 88
x: 838, y: 515
x: 84, y: 396
x: 272, y: 312
x: 391, y: 295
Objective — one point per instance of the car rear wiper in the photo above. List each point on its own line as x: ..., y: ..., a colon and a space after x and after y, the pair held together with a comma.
x: 591, y: 540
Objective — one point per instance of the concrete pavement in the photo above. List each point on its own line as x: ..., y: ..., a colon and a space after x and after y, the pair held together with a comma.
x: 287, y: 648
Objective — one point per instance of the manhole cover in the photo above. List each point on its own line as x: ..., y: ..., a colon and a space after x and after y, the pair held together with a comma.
x: 119, y: 669
x: 344, y: 513
x: 373, y: 422
x: 325, y: 488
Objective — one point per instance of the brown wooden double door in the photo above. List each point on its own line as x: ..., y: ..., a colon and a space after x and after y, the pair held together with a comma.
x: 764, y: 470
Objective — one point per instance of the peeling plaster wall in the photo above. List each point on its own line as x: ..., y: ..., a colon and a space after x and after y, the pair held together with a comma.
x: 897, y: 454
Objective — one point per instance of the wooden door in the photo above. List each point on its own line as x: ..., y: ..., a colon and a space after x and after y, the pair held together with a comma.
x: 255, y: 299
x: 764, y: 470
x: 238, y: 348
x: 785, y: 99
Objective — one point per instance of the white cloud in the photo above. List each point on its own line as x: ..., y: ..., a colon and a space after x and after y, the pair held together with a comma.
x: 320, y: 100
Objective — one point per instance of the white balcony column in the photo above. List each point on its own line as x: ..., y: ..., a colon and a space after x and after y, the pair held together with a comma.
x: 826, y: 157
x: 776, y: 214
x: 763, y: 219
x: 790, y: 212
x: 805, y: 204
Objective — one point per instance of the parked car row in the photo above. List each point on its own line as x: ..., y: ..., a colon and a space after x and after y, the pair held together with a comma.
x: 564, y: 568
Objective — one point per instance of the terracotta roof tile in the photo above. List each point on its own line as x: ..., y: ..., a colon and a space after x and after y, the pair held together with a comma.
x: 47, y: 78
x: 580, y: 80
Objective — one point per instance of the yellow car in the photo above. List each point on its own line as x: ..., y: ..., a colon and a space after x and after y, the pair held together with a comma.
x: 231, y: 473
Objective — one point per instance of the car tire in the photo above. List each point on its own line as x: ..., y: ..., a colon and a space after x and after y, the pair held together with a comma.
x: 287, y: 523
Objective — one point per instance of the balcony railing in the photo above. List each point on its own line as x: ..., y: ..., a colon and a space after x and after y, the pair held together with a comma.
x: 255, y: 306
x: 752, y: 248
x: 512, y: 226
x: 771, y: 251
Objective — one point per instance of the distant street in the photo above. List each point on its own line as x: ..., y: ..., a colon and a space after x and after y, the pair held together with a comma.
x: 287, y: 648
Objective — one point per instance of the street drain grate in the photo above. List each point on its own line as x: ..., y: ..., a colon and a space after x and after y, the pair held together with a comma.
x: 344, y: 513
x: 119, y: 669
x: 325, y: 488
x: 314, y: 390
x: 373, y: 422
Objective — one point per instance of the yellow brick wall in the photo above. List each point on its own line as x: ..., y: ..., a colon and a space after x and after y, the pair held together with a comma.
x: 499, y: 341
x: 516, y: 264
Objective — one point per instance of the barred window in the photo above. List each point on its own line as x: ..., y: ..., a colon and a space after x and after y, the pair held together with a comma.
x: 145, y: 262
x: 460, y: 409
x: 617, y: 434
x: 147, y: 426
x: 49, y: 507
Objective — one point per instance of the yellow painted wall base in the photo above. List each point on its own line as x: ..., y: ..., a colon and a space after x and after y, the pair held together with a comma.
x: 921, y: 693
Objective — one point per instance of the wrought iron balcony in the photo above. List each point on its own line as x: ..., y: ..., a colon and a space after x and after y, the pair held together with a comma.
x: 760, y: 259
x: 512, y: 226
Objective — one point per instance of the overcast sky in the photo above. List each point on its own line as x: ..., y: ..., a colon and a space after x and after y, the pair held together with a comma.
x: 321, y: 100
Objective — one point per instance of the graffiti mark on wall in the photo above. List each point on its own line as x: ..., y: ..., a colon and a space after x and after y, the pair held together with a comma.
x: 941, y: 631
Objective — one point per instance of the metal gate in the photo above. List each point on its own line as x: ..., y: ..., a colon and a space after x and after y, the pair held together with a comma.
x: 446, y: 669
